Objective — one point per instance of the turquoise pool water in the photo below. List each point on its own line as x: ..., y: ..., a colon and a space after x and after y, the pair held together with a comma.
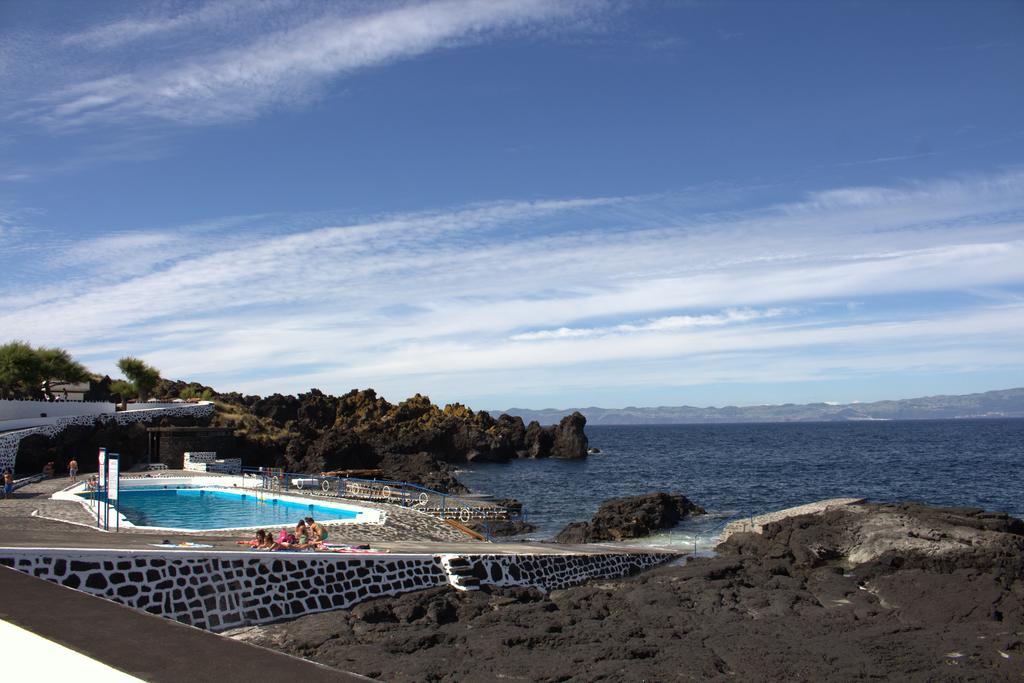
x: 200, y: 509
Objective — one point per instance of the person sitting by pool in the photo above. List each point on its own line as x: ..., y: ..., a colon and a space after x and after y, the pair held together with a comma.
x: 262, y: 539
x: 304, y: 536
x: 317, y: 532
x: 286, y: 540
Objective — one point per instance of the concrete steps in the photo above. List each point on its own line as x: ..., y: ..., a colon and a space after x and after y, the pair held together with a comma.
x: 460, y: 573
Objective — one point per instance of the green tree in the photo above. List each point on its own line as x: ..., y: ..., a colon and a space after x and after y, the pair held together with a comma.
x: 21, y: 370
x: 57, y: 365
x: 144, y: 377
x: 194, y: 392
x: 123, y: 388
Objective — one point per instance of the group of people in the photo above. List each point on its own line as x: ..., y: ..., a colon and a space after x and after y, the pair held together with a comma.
x: 50, y: 469
x: 308, y: 534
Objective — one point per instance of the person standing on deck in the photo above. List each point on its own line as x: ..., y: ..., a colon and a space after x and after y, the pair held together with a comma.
x: 73, y: 469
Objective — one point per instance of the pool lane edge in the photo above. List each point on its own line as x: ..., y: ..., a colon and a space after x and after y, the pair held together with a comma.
x: 218, y: 485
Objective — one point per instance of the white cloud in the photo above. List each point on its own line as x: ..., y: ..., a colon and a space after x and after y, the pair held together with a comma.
x: 155, y: 22
x: 275, y: 66
x: 666, y: 324
x: 508, y: 293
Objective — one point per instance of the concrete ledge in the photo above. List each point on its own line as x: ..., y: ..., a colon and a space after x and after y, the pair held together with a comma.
x: 756, y: 524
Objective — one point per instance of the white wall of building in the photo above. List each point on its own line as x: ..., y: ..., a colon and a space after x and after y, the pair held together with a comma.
x: 24, y: 410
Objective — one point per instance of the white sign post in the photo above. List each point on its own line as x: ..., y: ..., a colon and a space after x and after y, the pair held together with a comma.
x: 113, y: 481
x: 101, y: 483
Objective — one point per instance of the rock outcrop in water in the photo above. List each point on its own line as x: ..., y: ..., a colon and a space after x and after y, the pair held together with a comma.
x: 836, y: 596
x: 634, y: 517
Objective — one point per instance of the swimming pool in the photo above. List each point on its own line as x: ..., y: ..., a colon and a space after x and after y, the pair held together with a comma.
x: 201, y: 509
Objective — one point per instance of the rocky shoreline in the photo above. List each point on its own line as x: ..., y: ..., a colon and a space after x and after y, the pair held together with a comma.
x: 860, y: 591
x: 414, y: 440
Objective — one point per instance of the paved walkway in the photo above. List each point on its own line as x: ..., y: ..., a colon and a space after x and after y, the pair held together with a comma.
x: 142, y: 645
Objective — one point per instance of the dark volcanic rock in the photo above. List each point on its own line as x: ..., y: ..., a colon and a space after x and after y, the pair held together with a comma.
x: 633, y: 517
x: 335, y: 449
x: 569, y: 440
x: 317, y: 410
x: 423, y: 469
x: 276, y: 407
x: 947, y: 610
x: 538, y: 441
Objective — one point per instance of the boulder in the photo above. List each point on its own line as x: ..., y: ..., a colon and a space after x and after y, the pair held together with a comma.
x: 633, y: 517
x: 569, y: 440
x: 537, y: 441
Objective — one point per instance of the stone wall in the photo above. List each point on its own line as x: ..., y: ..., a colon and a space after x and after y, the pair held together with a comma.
x: 9, y: 441
x: 221, y: 590
x: 207, y: 461
x: 552, y: 572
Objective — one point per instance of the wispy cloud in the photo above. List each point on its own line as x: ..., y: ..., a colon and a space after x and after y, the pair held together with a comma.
x: 157, y: 21
x: 507, y: 293
x: 670, y: 323
x: 271, y: 65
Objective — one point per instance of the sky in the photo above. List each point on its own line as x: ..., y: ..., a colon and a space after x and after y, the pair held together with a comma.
x: 521, y: 203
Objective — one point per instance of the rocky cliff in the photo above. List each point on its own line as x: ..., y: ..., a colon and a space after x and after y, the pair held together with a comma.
x: 414, y: 440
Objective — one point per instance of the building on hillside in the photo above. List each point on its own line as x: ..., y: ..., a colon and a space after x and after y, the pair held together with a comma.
x: 90, y: 390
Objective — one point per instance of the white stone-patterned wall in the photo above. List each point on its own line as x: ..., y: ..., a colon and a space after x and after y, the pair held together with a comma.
x: 199, y: 457
x: 206, y: 461
x: 9, y: 441
x: 552, y: 572
x: 221, y: 590
x: 217, y: 591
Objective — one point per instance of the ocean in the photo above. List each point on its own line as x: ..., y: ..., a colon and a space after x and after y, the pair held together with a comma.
x: 738, y: 470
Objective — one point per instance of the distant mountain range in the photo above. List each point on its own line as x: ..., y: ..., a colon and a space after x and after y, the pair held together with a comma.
x: 991, y: 404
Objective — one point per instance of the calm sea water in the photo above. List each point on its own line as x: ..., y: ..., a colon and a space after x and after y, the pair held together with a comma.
x: 743, y: 469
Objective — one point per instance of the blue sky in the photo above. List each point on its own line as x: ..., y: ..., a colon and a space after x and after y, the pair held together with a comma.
x: 521, y: 203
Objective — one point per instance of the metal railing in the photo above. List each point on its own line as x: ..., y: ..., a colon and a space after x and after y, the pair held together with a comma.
x: 420, y: 498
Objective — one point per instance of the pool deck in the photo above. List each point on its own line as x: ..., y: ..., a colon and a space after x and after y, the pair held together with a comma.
x: 33, y: 520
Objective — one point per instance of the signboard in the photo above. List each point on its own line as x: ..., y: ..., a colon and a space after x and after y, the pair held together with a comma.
x: 113, y: 482
x: 113, y: 475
